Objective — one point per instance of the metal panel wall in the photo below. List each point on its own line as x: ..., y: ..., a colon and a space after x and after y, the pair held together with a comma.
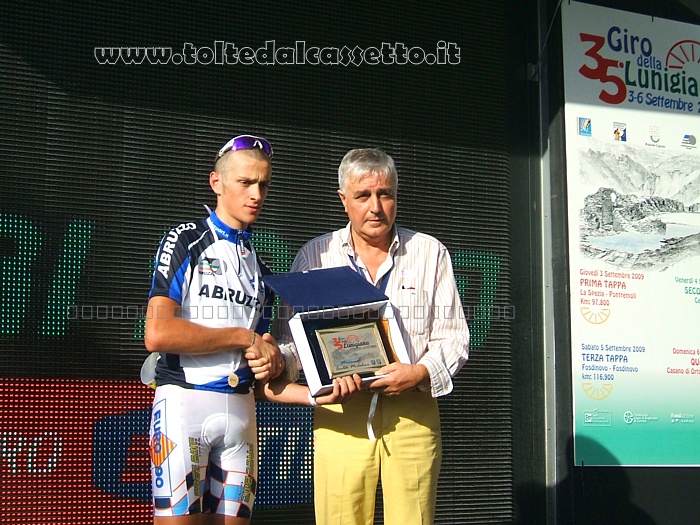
x: 97, y: 161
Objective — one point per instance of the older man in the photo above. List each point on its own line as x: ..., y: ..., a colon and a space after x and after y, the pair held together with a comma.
x: 391, y: 432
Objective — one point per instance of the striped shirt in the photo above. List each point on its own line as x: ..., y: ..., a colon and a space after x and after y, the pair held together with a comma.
x: 422, y: 290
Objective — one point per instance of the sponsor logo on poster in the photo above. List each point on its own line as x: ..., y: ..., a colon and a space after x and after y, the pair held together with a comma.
x: 584, y: 126
x: 620, y: 131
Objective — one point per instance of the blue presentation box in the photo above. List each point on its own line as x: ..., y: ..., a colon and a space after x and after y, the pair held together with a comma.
x: 330, y: 298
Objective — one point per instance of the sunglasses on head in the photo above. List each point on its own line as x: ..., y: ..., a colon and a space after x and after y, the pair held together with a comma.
x: 245, y: 142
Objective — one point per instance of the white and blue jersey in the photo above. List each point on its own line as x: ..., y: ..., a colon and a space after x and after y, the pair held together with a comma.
x: 214, y: 274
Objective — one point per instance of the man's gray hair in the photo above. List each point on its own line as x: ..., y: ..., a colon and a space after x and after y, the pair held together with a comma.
x: 359, y: 162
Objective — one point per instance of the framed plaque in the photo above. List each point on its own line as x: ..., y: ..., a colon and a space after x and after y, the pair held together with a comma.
x: 338, y: 303
x: 352, y: 349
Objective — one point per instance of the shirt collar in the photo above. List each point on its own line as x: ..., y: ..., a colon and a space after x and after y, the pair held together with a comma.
x: 230, y: 234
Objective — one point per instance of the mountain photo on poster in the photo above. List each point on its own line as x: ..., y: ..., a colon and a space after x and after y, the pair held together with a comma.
x: 642, y: 205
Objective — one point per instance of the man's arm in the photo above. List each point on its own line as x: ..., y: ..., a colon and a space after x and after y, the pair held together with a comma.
x: 167, y: 332
x: 448, y: 342
x: 282, y: 390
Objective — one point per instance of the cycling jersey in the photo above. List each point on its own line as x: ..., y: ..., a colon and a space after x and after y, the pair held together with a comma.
x: 214, y: 274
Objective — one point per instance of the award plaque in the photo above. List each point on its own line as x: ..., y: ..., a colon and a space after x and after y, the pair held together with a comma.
x: 341, y: 324
x: 352, y: 349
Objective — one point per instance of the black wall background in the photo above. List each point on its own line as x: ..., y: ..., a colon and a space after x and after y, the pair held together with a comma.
x: 128, y: 149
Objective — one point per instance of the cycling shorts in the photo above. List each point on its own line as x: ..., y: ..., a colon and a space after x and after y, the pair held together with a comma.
x: 204, y: 452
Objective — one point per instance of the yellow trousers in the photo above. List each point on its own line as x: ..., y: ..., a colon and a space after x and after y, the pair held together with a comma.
x: 406, y: 456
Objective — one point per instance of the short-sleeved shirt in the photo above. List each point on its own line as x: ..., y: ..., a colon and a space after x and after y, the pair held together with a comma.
x: 212, y: 271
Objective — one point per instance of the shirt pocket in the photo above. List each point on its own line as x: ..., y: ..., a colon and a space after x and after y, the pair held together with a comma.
x: 414, y: 310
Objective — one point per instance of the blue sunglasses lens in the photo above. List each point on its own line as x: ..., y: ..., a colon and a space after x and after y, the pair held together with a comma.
x: 245, y: 142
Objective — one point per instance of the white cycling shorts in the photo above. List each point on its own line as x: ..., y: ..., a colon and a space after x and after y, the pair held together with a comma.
x: 204, y: 452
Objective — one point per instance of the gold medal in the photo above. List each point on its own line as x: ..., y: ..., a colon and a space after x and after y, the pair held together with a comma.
x: 233, y: 380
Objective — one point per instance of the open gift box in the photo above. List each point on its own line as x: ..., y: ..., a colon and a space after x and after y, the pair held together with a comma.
x: 341, y: 324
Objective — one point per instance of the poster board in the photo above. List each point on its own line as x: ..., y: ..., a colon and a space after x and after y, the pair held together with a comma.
x: 632, y: 113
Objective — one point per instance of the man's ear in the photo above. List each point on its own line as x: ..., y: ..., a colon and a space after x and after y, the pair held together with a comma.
x: 342, y: 199
x: 215, y: 181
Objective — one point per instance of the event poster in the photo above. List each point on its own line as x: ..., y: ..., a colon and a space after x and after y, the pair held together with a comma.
x: 632, y: 113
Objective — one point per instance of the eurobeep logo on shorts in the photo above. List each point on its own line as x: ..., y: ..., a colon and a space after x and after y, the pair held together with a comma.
x: 228, y: 53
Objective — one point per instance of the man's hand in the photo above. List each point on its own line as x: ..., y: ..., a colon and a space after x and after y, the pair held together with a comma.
x: 344, y: 389
x: 264, y: 358
x: 399, y: 378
